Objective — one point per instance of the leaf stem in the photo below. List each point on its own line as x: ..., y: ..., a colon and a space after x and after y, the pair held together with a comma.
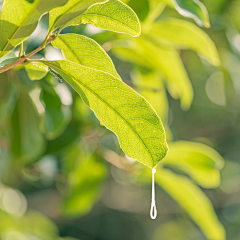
x: 21, y: 50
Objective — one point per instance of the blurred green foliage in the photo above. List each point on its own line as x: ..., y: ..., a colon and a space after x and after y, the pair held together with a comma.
x: 63, y: 174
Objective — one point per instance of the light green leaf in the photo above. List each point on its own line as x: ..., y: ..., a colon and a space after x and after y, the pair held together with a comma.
x: 150, y: 86
x: 120, y: 109
x: 113, y: 16
x: 27, y: 141
x: 19, y: 18
x: 192, y: 9
x: 83, y: 50
x: 199, y: 161
x: 36, y: 71
x: 183, y: 34
x: 167, y: 59
x: 193, y: 201
x: 64, y: 16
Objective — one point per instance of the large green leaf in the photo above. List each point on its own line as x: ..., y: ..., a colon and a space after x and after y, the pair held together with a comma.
x: 85, y: 51
x: 114, y: 16
x: 192, y: 9
x: 19, y: 18
x: 27, y: 141
x: 199, y: 161
x: 193, y: 201
x: 120, y: 109
x: 65, y: 16
x: 183, y: 34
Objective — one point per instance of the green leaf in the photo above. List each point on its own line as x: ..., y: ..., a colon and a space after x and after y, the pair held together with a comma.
x: 83, y: 50
x: 56, y: 117
x: 113, y: 16
x: 199, y: 161
x: 26, y: 138
x: 192, y: 9
x: 167, y: 59
x: 85, y: 186
x: 36, y: 71
x: 150, y: 86
x: 19, y: 18
x: 193, y: 201
x: 120, y: 109
x: 65, y: 16
x: 183, y: 34
x: 8, y: 61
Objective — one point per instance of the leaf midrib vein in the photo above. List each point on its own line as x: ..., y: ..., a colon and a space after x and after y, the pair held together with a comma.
x: 100, y: 15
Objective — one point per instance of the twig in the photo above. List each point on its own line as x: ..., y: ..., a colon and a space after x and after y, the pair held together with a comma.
x: 22, y: 59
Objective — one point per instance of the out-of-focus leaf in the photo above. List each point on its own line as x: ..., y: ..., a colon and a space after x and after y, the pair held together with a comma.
x: 36, y: 71
x: 19, y: 18
x: 27, y: 141
x: 56, y: 117
x: 150, y: 86
x: 120, y: 109
x: 179, y: 229
x: 192, y: 9
x: 183, y: 34
x: 167, y: 59
x: 32, y: 224
x: 145, y: 53
x: 199, y: 161
x: 141, y: 8
x: 193, y: 201
x: 7, y: 61
x: 113, y: 16
x: 85, y: 51
x: 86, y: 185
x: 66, y: 15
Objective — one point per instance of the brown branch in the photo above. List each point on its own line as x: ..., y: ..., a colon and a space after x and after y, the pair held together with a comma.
x: 22, y: 59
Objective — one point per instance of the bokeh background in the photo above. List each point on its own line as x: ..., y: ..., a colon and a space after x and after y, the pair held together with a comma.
x: 64, y: 176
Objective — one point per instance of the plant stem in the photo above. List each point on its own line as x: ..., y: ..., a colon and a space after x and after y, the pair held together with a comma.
x: 21, y: 50
x: 22, y: 59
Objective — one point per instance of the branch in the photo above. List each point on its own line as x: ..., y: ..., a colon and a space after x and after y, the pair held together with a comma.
x: 22, y: 59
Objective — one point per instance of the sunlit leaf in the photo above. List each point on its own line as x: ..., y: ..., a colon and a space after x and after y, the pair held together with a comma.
x: 193, y: 201
x: 167, y: 59
x: 199, y: 161
x: 26, y: 139
x: 114, y: 16
x: 120, y: 109
x: 65, y: 16
x: 19, y: 18
x: 183, y: 34
x: 192, y: 9
x: 150, y: 86
x: 83, y: 50
x: 36, y: 71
